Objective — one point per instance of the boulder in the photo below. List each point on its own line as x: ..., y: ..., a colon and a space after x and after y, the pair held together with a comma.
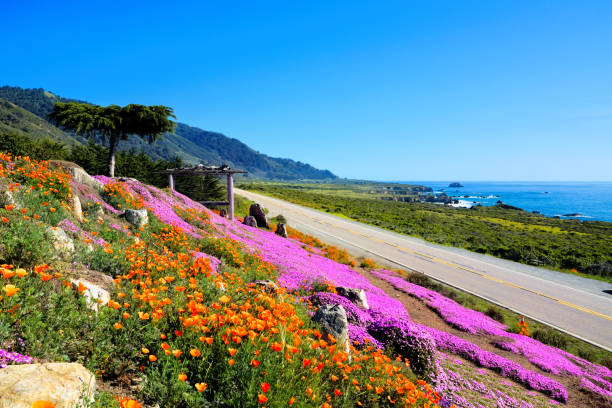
x: 78, y: 174
x: 250, y: 221
x: 223, y: 213
x: 62, y: 243
x: 268, y: 285
x: 94, y: 294
x: 333, y: 321
x: 6, y: 197
x: 259, y: 214
x: 137, y: 218
x: 281, y: 230
x: 67, y: 385
x: 357, y: 296
x: 77, y: 210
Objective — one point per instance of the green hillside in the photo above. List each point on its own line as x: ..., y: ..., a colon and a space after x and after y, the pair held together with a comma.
x: 191, y: 144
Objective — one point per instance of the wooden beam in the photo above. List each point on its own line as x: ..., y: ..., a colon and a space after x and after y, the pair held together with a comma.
x: 171, y: 181
x: 213, y: 203
x: 230, y: 195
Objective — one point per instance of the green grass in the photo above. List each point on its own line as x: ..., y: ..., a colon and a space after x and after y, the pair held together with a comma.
x: 579, y: 247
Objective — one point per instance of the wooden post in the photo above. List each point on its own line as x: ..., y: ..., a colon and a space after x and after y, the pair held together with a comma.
x: 171, y: 181
x: 230, y: 195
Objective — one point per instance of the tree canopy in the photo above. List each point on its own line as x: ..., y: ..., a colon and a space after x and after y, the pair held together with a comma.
x: 114, y: 123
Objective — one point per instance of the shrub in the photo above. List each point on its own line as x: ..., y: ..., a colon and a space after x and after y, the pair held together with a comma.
x: 550, y: 337
x: 495, y: 314
x: 280, y: 218
x: 409, y: 341
x: 23, y: 243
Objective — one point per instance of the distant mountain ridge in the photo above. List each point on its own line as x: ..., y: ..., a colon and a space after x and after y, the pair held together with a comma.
x: 26, y: 110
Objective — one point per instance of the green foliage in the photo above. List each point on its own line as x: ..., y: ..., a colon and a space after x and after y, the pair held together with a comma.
x: 22, y: 145
x: 550, y: 337
x: 516, y: 235
x: 24, y: 243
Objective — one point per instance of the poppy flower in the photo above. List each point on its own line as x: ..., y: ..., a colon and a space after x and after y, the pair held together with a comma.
x: 200, y: 386
x: 152, y: 358
x: 262, y: 398
x: 195, y: 353
x: 182, y: 377
x: 43, y: 404
x: 10, y: 290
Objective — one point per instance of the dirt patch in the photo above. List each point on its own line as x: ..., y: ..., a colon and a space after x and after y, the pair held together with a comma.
x: 421, y: 314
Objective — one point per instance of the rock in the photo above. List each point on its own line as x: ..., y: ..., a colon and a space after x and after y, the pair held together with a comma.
x: 137, y: 218
x: 78, y: 174
x: 95, y: 294
x: 357, y: 296
x: 455, y: 185
x: 223, y: 213
x: 258, y: 212
x: 268, y: 285
x: 250, y: 221
x: 333, y: 321
x: 281, y: 230
x: 6, y: 197
x: 62, y: 243
x: 77, y: 210
x: 98, y: 213
x: 67, y: 385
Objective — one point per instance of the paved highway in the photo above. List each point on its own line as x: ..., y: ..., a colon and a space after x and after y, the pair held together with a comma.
x: 581, y: 307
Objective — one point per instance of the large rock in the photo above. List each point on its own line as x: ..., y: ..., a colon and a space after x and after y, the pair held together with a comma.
x: 62, y: 243
x: 6, y: 197
x: 332, y: 319
x: 259, y: 214
x: 268, y: 285
x: 94, y: 293
x: 281, y: 230
x: 250, y: 221
x: 67, y: 385
x: 77, y: 210
x: 357, y: 296
x: 137, y: 218
x: 78, y: 174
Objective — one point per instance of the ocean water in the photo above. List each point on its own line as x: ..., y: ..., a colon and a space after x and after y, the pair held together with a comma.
x: 592, y: 200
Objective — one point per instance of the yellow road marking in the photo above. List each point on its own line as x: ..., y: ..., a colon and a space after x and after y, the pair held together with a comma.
x: 453, y: 265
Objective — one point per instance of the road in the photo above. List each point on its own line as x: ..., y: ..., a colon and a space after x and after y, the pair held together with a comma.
x: 578, y: 306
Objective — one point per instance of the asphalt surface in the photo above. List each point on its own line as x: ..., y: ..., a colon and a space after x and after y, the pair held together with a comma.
x: 576, y: 305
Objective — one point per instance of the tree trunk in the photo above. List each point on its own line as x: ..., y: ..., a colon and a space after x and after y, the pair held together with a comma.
x: 112, y: 149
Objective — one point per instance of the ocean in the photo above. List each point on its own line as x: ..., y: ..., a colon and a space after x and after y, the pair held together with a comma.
x: 589, y: 200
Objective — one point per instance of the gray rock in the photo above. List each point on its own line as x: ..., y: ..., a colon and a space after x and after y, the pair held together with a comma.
x: 357, y: 296
x: 223, y: 213
x: 332, y: 319
x: 6, y: 197
x: 259, y: 214
x: 78, y: 174
x: 95, y: 295
x: 281, y: 230
x: 62, y: 243
x: 268, y: 285
x: 250, y: 221
x: 137, y: 218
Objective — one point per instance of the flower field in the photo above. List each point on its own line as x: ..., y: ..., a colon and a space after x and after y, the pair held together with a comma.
x: 186, y: 319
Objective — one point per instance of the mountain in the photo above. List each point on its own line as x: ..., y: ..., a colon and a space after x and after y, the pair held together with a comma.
x: 26, y: 110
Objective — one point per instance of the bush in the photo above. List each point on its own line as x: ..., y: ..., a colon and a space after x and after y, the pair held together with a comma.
x: 280, y: 218
x: 550, y: 337
x: 495, y: 314
x: 409, y: 341
x: 24, y: 243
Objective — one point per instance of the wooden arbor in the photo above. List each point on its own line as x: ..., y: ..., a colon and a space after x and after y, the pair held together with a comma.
x: 201, y: 170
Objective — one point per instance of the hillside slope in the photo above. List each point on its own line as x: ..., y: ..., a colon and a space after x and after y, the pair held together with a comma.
x: 192, y: 144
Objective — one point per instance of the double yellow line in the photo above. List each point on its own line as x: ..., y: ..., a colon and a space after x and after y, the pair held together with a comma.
x: 453, y: 265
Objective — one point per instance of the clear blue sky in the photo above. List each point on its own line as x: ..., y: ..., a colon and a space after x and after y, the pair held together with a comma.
x: 427, y: 90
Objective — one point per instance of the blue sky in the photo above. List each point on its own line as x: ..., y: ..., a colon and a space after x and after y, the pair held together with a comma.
x: 406, y: 90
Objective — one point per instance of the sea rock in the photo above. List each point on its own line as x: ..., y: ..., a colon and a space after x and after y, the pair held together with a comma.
x: 62, y: 243
x: 258, y: 212
x: 281, y: 230
x: 333, y: 321
x: 268, y: 285
x: 67, y: 385
x: 137, y: 218
x: 223, y: 213
x: 455, y: 185
x: 77, y: 210
x: 78, y: 174
x: 250, y: 221
x: 357, y: 296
